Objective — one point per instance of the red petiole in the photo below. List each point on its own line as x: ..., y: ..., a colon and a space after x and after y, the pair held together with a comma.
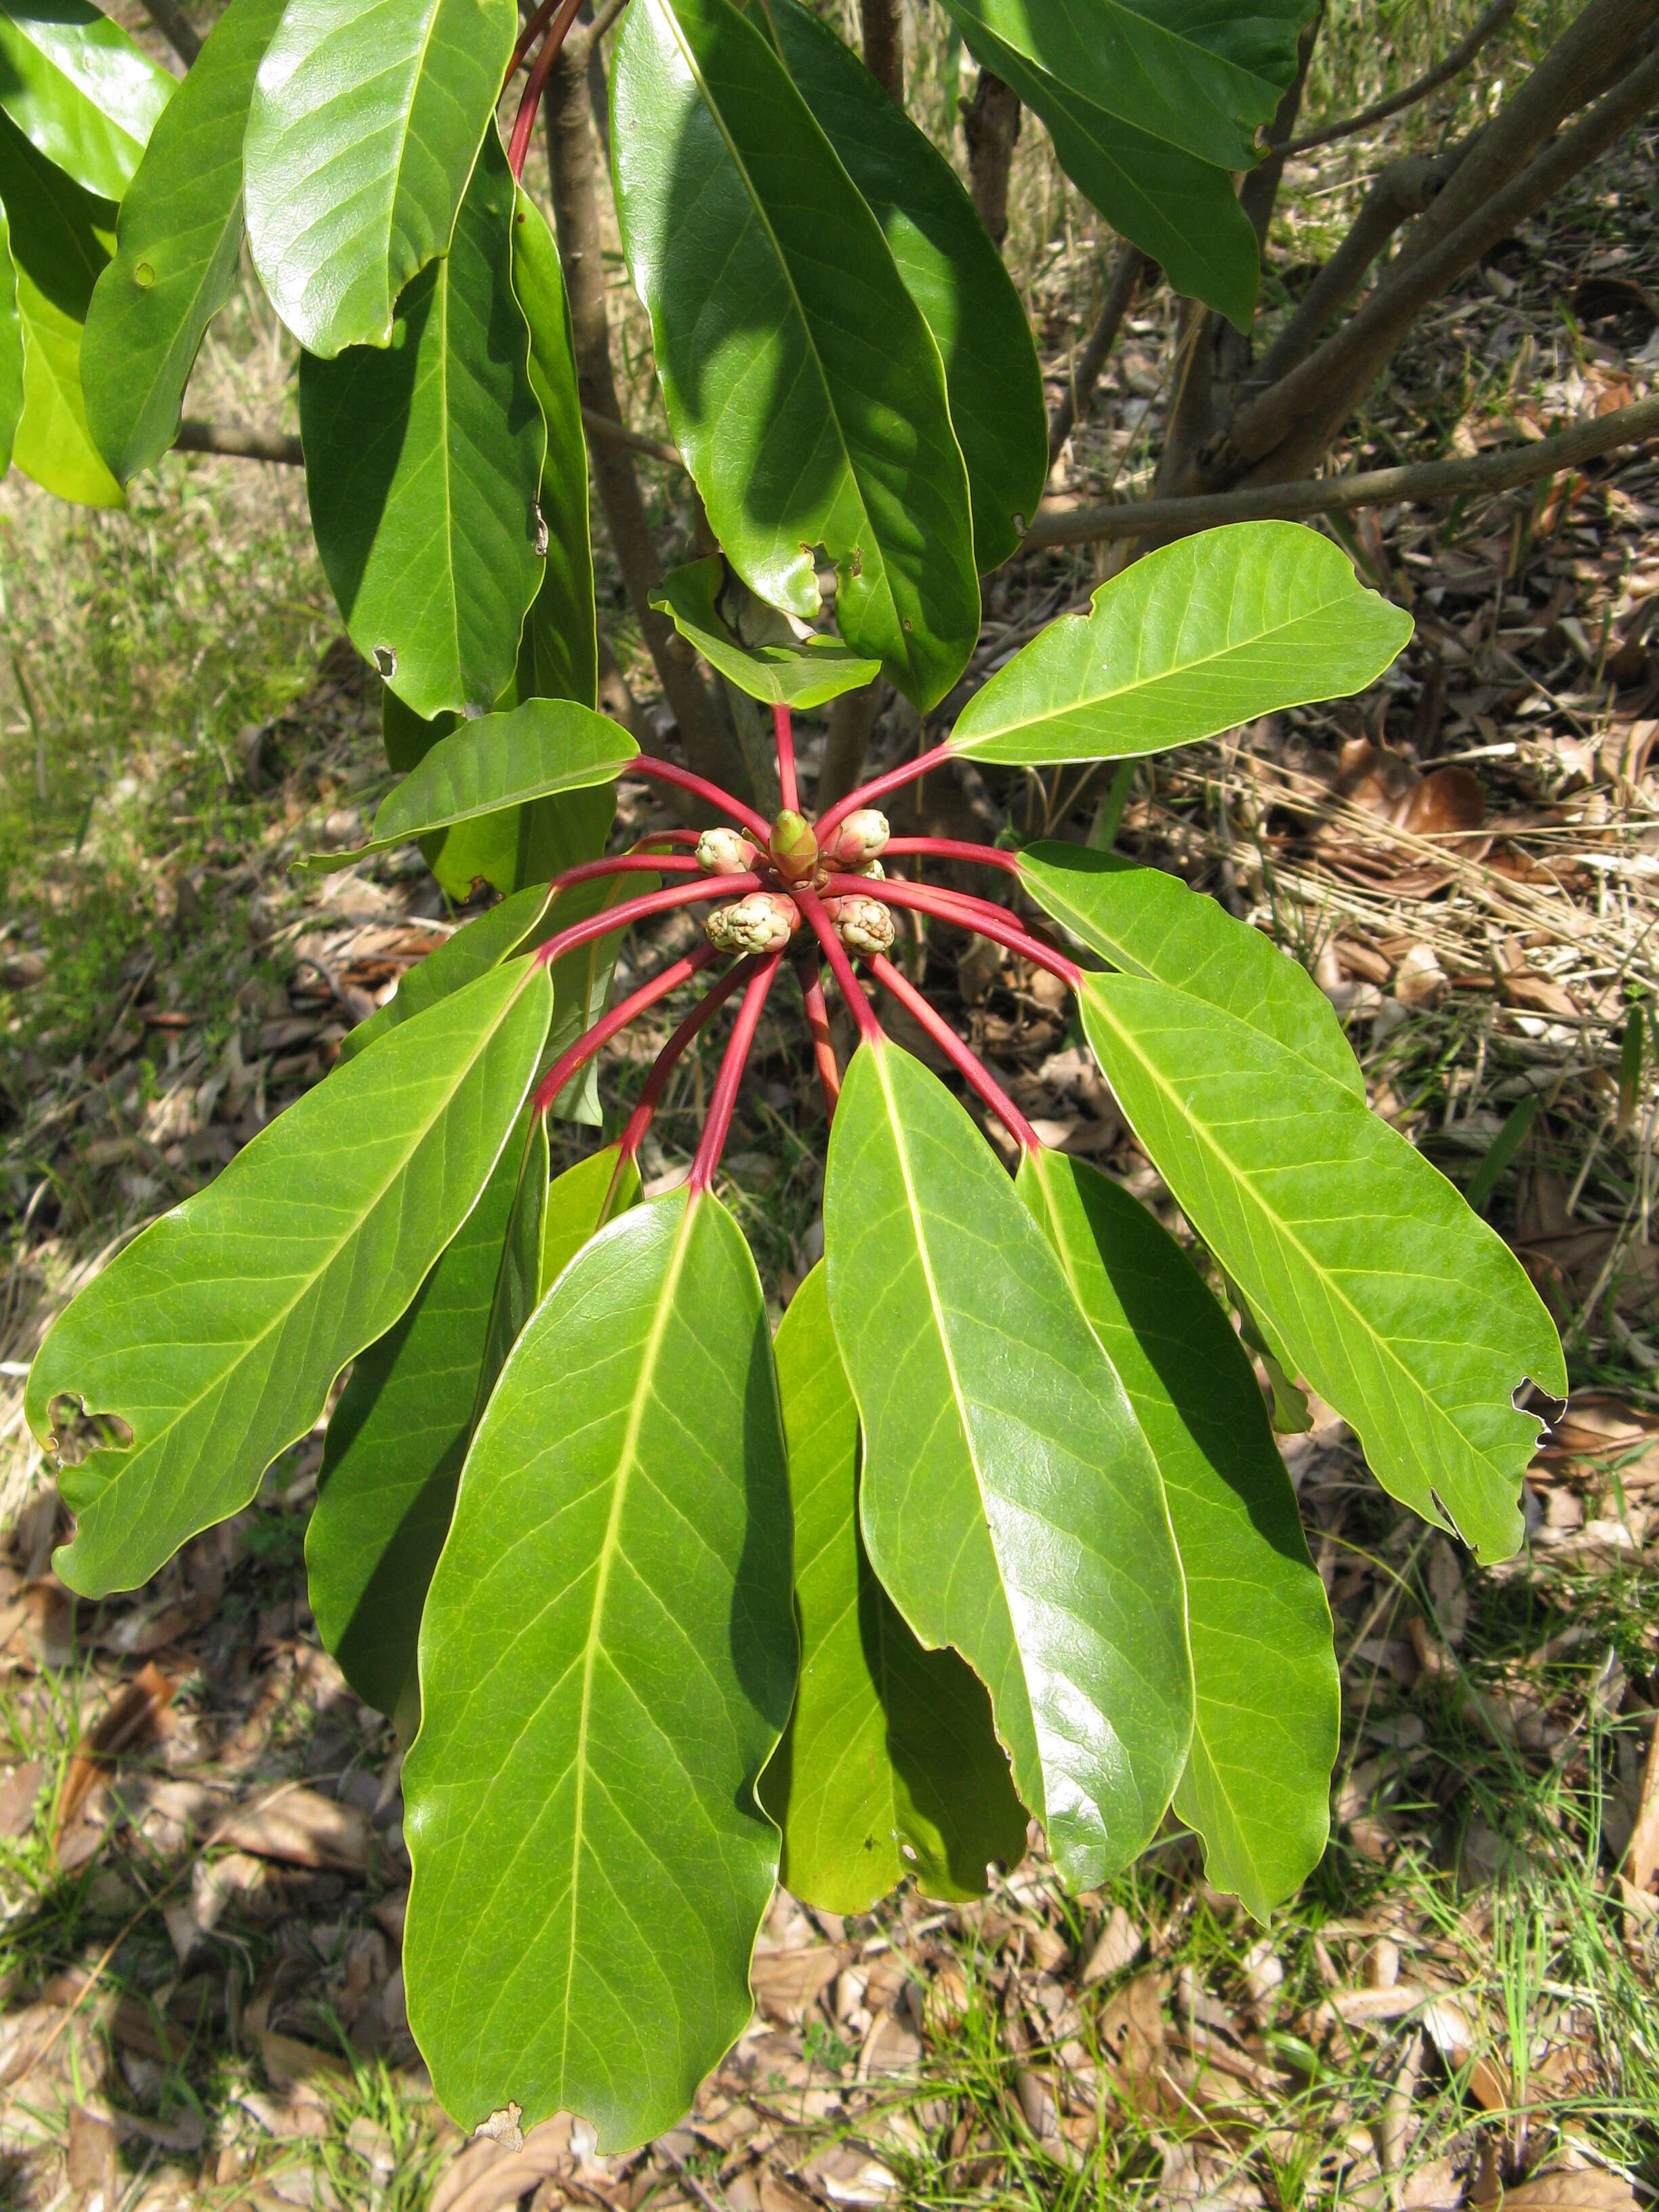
x: 895, y: 780
x: 524, y: 121
x: 834, y: 952
x: 573, y: 1062
x: 663, y: 771
x: 824, y: 1049
x: 783, y: 731
x: 967, y: 1063
x: 950, y: 848
x: 720, y: 1106
x: 663, y: 1066
x: 978, y: 914
x: 630, y: 911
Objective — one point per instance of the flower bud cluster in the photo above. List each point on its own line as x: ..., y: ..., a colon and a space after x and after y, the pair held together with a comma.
x: 763, y: 922
x: 863, y: 926
x: 726, y: 853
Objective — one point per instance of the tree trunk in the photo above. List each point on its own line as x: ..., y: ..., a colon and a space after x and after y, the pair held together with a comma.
x: 883, y: 45
x: 990, y: 124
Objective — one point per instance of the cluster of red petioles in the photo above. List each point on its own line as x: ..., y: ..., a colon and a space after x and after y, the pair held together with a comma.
x: 796, y: 889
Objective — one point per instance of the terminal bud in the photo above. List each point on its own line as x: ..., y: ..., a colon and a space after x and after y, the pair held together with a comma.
x: 794, y: 848
x: 726, y: 853
x: 763, y: 922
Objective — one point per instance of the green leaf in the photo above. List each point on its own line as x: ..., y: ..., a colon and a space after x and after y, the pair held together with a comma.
x: 581, y: 982
x: 1147, y: 922
x: 950, y: 270
x: 890, y: 1766
x: 178, y: 248
x: 1010, y: 1503
x: 1184, y: 212
x: 450, y: 966
x: 802, y: 383
x: 1402, y: 1308
x: 783, y: 671
x: 1267, y: 1698
x: 606, y: 1663
x: 61, y: 240
x: 423, y: 463
x: 216, y: 1336
x: 11, y: 348
x: 366, y: 121
x: 576, y: 1205
x: 1195, y: 75
x: 559, y: 655
x: 1197, y: 637
x: 397, y: 1438
x: 82, y: 92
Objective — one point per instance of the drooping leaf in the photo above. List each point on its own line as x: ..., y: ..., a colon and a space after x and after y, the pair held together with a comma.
x: 216, y: 1336
x: 1200, y: 635
x: 82, y: 92
x: 575, y: 1206
x: 802, y: 383
x: 1009, y: 1502
x: 950, y: 270
x: 559, y: 655
x: 61, y: 238
x: 423, y: 463
x: 1189, y: 73
x: 11, y: 348
x: 1267, y: 1701
x: 606, y: 1663
x: 365, y: 125
x: 1401, y: 1307
x: 177, y: 248
x: 1146, y: 922
x: 484, y: 944
x: 392, y: 1454
x: 786, y: 671
x: 890, y: 1764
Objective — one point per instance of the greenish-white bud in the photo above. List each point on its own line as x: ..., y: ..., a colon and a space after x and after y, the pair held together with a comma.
x: 726, y: 853
x: 763, y: 922
x: 864, y: 925
x: 858, y: 839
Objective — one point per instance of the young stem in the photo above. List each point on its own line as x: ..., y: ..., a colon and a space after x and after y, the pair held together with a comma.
x: 783, y: 730
x: 632, y: 910
x: 720, y: 1106
x: 527, y: 38
x: 663, y: 1066
x: 976, y: 914
x: 823, y: 1049
x: 700, y: 788
x: 572, y: 1061
x: 811, y: 908
x: 968, y: 1064
x: 524, y: 121
x: 895, y: 780
x: 951, y: 848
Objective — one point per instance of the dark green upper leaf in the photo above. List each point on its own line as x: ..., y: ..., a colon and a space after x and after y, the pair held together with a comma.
x: 82, y: 93
x: 1010, y: 1503
x: 1197, y: 637
x: 179, y: 245
x: 890, y: 1766
x: 803, y: 384
x: 216, y: 1335
x: 783, y: 671
x: 950, y: 270
x: 606, y: 1662
x: 366, y: 120
x: 558, y: 656
x: 1268, y: 1700
x: 1401, y: 1307
x: 423, y: 463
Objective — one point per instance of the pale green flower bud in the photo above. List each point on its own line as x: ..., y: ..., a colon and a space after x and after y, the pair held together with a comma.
x: 794, y: 848
x: 864, y: 925
x: 763, y: 922
x: 858, y: 839
x: 726, y: 853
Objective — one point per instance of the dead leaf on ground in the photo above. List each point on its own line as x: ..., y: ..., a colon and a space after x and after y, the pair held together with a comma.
x: 90, y: 2158
x: 1641, y: 1854
x: 20, y: 1793
x: 1590, y: 2189
x: 1119, y: 1944
x: 301, y: 1827
x: 785, y: 1983
x: 136, y: 1714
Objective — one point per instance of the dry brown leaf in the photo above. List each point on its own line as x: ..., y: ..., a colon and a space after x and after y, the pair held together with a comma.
x: 301, y: 1827
x: 1641, y: 1854
x: 1119, y: 1945
x: 20, y: 1792
x: 90, y: 2158
x: 136, y: 1714
x: 288, y: 2062
x: 1590, y: 2189
x: 785, y: 1983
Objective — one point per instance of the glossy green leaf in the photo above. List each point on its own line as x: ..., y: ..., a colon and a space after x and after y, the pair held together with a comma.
x: 1010, y: 1503
x: 1182, y: 211
x: 61, y: 238
x: 484, y: 944
x: 1401, y: 1307
x: 606, y: 1663
x: 1267, y: 1701
x: 1147, y: 922
x: 781, y: 670
x: 366, y: 121
x: 1200, y: 636
x: 11, y: 348
x: 178, y: 248
x: 216, y: 1336
x: 423, y: 463
x: 397, y: 1438
x: 890, y: 1766
x: 950, y: 270
x: 1200, y: 76
x: 559, y: 654
x: 576, y: 1205
x: 802, y: 383
x: 82, y: 93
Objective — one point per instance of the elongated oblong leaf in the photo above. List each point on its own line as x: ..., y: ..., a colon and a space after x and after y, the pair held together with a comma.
x: 950, y: 270
x: 1399, y: 1306
x: 1010, y: 1503
x: 61, y: 238
x: 216, y: 1336
x: 82, y: 92
x: 803, y: 384
x: 890, y: 1766
x: 423, y: 463
x: 1146, y: 922
x: 559, y: 653
x: 1267, y: 1701
x: 451, y: 966
x: 397, y: 1438
x: 801, y: 672
x: 11, y: 347
x: 576, y: 1206
x: 178, y: 248
x: 365, y: 124
x: 606, y: 1663
x: 1198, y: 636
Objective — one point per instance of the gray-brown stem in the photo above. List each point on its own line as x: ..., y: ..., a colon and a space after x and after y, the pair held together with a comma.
x: 990, y: 124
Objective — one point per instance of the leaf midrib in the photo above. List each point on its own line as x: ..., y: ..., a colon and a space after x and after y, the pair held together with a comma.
x: 1163, y: 32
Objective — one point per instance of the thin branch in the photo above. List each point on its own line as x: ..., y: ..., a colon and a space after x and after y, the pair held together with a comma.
x: 1459, y: 58
x: 195, y: 437
x: 867, y: 794
x: 699, y: 787
x: 824, y: 1044
x: 668, y: 1059
x: 175, y: 27
x: 812, y: 913
x: 618, y: 917
x: 968, y: 1064
x: 1078, y: 398
x: 573, y: 1062
x: 1420, y: 482
x: 882, y: 22
x: 618, y: 433
x: 724, y: 1101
